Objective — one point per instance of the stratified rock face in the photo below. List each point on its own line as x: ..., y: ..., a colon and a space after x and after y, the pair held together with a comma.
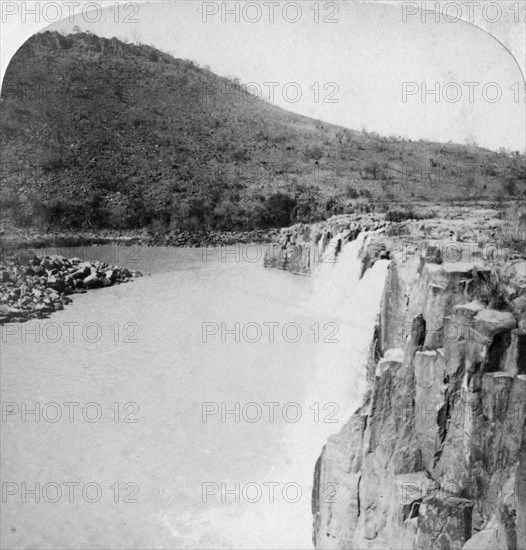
x: 436, y: 456
x: 300, y: 247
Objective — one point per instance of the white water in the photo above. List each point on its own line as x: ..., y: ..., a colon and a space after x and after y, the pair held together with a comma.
x: 340, y: 375
x: 170, y: 452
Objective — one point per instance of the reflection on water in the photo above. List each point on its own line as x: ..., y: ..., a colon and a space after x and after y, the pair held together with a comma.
x: 131, y: 375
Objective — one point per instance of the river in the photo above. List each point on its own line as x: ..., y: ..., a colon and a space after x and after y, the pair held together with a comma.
x: 185, y: 409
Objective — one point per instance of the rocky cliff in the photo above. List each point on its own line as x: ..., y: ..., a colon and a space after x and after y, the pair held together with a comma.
x: 301, y: 247
x: 436, y: 455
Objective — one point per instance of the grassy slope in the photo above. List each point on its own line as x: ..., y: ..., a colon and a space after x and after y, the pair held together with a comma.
x: 96, y: 132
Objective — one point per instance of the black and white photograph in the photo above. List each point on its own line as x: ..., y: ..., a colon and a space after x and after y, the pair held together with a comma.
x: 262, y: 275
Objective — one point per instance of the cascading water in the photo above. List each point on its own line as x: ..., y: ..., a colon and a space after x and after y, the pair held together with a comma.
x: 335, y: 278
x: 349, y: 305
x: 352, y: 304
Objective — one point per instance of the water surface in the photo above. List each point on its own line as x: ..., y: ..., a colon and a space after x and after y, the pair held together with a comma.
x: 137, y: 354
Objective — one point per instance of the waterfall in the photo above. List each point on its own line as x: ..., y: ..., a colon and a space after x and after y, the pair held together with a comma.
x: 335, y: 278
x: 351, y: 304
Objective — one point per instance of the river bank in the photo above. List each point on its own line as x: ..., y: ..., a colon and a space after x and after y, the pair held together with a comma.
x: 33, y: 287
x: 16, y: 239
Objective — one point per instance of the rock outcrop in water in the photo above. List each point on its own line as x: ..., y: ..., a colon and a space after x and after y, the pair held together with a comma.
x: 436, y: 455
x: 40, y: 286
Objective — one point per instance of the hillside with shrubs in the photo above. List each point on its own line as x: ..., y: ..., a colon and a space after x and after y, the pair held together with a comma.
x: 102, y: 134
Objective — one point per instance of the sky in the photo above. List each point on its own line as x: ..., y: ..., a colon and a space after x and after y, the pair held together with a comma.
x: 375, y: 66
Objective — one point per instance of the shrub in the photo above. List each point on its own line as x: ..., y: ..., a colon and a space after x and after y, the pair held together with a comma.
x: 279, y: 210
x: 26, y: 211
x: 70, y: 214
x: 191, y: 214
x: 490, y: 291
x: 400, y: 215
x: 241, y: 153
x: 351, y: 193
x: 372, y: 171
x: 510, y: 186
x: 315, y: 152
x: 512, y: 233
x: 229, y: 216
x: 9, y: 201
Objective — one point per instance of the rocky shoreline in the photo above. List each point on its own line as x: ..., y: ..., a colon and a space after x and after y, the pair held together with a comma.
x: 34, y: 287
x: 12, y: 240
x: 37, y: 287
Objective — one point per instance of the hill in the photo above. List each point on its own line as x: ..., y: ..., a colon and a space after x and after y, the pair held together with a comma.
x: 98, y: 133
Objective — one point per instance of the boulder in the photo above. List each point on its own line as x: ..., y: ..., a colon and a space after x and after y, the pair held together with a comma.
x: 54, y: 296
x: 43, y: 308
x: 55, y: 282
x: 47, y: 263
x: 58, y: 261
x: 92, y: 281
x: 515, y: 273
x: 490, y: 322
x: 519, y: 304
x: 5, y: 313
x: 77, y: 283
x: 82, y: 272
x: 468, y: 310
